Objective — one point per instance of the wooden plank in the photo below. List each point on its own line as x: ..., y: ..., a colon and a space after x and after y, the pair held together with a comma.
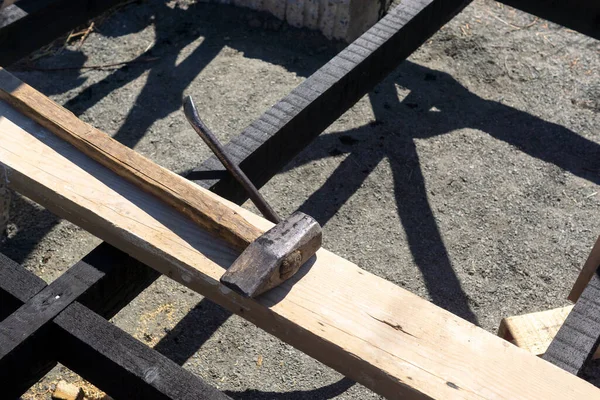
x: 580, y: 15
x: 378, y: 334
x: 34, y: 315
x: 284, y: 130
x: 30, y: 24
x: 578, y: 338
x: 97, y: 287
x: 93, y: 347
x: 534, y: 332
x: 17, y: 287
x: 589, y: 269
x: 120, y: 365
x: 123, y: 278
x: 166, y: 185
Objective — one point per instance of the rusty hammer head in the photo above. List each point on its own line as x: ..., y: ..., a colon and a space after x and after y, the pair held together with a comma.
x: 275, y: 256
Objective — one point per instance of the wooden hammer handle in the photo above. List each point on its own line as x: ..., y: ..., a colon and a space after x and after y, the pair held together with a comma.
x: 193, y: 201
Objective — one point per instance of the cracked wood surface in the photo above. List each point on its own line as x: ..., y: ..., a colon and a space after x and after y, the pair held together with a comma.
x: 332, y: 310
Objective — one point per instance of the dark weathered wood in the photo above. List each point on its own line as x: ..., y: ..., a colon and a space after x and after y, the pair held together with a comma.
x: 124, y: 278
x: 79, y: 282
x: 270, y: 142
x: 17, y: 286
x: 85, y: 341
x: 20, y: 326
x: 578, y: 338
x: 120, y: 365
x: 343, y: 316
x: 580, y: 15
x: 30, y: 24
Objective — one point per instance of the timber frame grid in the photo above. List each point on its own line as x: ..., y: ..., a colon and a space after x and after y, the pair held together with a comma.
x: 66, y: 321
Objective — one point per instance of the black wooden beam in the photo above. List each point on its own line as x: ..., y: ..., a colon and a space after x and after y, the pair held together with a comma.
x: 31, y: 317
x: 30, y: 24
x: 580, y: 15
x: 579, y: 336
x: 20, y: 330
x: 47, y: 329
x: 121, y: 279
x: 270, y: 142
x: 16, y: 287
x: 120, y: 365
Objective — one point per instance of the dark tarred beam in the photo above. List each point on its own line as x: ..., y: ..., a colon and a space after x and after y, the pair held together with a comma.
x: 55, y: 324
x: 579, y: 336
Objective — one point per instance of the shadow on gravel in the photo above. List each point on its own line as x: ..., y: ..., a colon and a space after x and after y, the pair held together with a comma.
x: 325, y: 392
x: 192, y: 331
x: 437, y: 104
x: 33, y: 223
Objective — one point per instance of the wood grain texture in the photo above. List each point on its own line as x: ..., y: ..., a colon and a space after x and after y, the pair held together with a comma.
x: 164, y: 184
x: 122, y: 366
x: 17, y: 286
x: 376, y: 333
x: 534, y: 332
x: 589, y: 269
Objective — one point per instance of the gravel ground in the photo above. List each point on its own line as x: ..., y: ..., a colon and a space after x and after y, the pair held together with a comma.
x: 470, y: 176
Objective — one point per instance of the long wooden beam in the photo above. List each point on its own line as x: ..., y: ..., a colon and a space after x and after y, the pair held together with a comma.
x: 84, y: 341
x: 203, y: 209
x: 371, y: 330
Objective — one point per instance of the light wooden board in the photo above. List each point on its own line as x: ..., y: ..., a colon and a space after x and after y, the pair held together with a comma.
x: 589, y: 269
x: 371, y: 330
x: 534, y: 332
x: 169, y: 187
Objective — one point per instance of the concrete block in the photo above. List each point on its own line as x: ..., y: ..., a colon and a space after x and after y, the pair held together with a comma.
x: 336, y: 19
